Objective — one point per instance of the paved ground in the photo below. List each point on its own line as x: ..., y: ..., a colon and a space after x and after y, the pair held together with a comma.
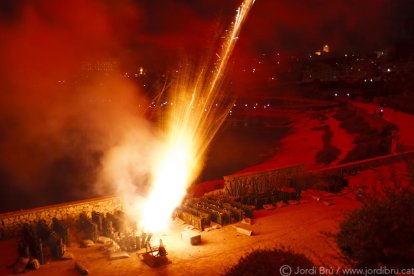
x: 302, y: 227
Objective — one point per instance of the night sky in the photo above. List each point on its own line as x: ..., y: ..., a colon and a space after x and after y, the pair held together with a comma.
x: 51, y: 141
x: 155, y: 32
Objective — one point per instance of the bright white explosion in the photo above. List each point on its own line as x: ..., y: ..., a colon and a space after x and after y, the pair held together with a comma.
x: 196, y: 112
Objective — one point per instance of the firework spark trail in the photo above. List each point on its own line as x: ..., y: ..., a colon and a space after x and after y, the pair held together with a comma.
x: 196, y: 115
x: 230, y: 42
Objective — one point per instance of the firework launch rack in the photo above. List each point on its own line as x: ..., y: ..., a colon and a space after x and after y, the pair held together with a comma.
x: 202, y: 212
x: 271, y: 197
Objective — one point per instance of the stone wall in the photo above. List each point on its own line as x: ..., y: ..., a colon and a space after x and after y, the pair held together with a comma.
x: 11, y: 223
x: 353, y: 168
x: 253, y: 183
x: 248, y: 184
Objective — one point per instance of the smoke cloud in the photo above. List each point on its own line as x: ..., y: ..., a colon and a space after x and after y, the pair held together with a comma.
x: 60, y: 123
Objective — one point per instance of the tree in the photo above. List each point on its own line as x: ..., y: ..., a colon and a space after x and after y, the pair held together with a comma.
x: 381, y: 232
x: 269, y: 261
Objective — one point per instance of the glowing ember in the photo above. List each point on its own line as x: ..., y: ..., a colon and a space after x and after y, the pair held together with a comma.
x: 193, y: 120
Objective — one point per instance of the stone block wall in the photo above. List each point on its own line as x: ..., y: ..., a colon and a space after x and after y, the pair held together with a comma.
x: 253, y: 183
x: 11, y: 223
x: 358, y: 166
x: 260, y: 182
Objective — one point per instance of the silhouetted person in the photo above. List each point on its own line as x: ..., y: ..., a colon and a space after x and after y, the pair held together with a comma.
x: 23, y: 249
x: 39, y: 251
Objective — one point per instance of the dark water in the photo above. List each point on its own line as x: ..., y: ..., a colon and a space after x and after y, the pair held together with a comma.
x: 243, y: 144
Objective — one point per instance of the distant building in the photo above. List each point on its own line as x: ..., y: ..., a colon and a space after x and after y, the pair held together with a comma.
x: 99, y: 66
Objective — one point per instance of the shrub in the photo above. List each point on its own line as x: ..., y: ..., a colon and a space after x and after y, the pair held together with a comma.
x: 375, y: 146
x: 335, y: 184
x: 329, y: 153
x: 368, y: 142
x: 380, y: 232
x: 268, y: 262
